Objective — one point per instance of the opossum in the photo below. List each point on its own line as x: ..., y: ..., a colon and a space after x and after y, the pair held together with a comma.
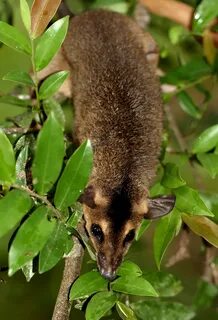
x: 118, y: 107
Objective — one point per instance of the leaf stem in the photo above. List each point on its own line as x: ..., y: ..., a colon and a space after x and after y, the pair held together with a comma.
x: 43, y: 199
x: 35, y: 77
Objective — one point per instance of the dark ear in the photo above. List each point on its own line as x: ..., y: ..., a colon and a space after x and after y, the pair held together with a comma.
x: 87, y: 197
x: 160, y: 206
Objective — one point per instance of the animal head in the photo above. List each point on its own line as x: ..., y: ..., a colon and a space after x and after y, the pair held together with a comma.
x: 112, y: 222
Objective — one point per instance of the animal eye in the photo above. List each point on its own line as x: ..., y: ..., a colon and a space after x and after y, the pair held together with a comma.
x: 130, y: 236
x: 97, y: 232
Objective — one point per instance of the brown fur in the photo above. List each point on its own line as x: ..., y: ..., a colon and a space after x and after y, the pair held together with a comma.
x: 118, y: 107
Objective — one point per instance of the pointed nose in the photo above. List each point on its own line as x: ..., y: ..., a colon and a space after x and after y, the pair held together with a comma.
x: 108, y: 274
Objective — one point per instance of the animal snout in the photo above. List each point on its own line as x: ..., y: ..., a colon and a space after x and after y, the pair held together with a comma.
x: 107, y: 267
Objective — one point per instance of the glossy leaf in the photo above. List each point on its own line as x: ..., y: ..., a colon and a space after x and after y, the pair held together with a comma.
x: 75, y: 219
x: 51, y: 84
x: 125, y: 312
x: 128, y: 268
x: 192, y: 71
x: 144, y: 226
x: 100, y: 304
x: 171, y: 177
x: 164, y: 283
x: 15, y: 101
x: 207, y: 140
x: 87, y: 284
x: 25, y: 14
x: 164, y: 233
x: 187, y: 105
x: 41, y: 13
x: 162, y: 310
x: 49, y: 155
x: 19, y: 77
x: 14, y: 39
x: 203, y: 227
x: 114, y: 5
x: 30, y: 239
x: 204, y: 14
x: 7, y: 160
x: 50, y: 105
x: 137, y: 286
x: 210, y: 162
x: 50, y: 42
x: 28, y: 270
x: 189, y: 201
x: 21, y: 166
x: 54, y: 248
x: 13, y: 207
x: 75, y: 176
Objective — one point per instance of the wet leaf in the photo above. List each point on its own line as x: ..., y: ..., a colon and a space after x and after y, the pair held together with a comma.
x: 49, y: 155
x: 87, y: 284
x: 129, y: 268
x: 100, y: 304
x: 164, y: 233
x: 188, y: 106
x: 203, y: 227
x: 171, y: 177
x: 15, y: 101
x: 204, y: 14
x: 125, y: 313
x: 30, y: 239
x: 75, y: 176
x: 50, y: 42
x: 14, y: 39
x: 13, y: 207
x: 25, y: 14
x: 42, y: 12
x: 7, y: 160
x: 28, y: 270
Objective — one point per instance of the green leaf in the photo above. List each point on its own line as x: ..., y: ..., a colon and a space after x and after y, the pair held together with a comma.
x: 125, y: 313
x: 13, y: 208
x: 189, y: 201
x: 210, y: 162
x: 203, y: 227
x: 144, y: 226
x: 171, y: 177
x: 50, y: 105
x: 49, y: 155
x: 25, y: 14
x: 187, y: 105
x: 21, y: 166
x: 128, y: 268
x: 100, y: 304
x: 7, y: 160
x: 205, y: 295
x: 14, y: 39
x: 19, y: 77
x: 164, y: 283
x: 30, y: 239
x: 207, y: 140
x: 75, y: 219
x: 137, y: 286
x: 204, y: 14
x: 162, y: 310
x: 164, y: 234
x: 15, y: 101
x: 75, y: 176
x: 28, y: 270
x: 190, y: 72
x: 177, y: 33
x: 52, y: 84
x: 54, y: 248
x: 50, y: 42
x: 114, y: 5
x: 87, y: 284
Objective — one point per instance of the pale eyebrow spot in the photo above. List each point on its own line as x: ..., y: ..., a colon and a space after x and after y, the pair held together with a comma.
x: 104, y: 224
x: 140, y: 208
x: 128, y: 226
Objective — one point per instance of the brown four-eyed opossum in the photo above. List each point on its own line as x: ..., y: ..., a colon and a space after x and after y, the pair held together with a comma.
x: 118, y: 107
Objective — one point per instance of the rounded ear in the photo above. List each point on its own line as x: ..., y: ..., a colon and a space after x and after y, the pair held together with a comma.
x: 160, y: 206
x: 88, y: 197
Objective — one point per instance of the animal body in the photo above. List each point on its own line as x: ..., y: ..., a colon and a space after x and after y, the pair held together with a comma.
x: 118, y: 107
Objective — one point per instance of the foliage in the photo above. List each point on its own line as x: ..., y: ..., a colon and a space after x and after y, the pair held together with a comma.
x: 41, y: 180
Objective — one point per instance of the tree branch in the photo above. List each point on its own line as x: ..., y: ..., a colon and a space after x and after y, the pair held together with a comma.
x: 72, y: 268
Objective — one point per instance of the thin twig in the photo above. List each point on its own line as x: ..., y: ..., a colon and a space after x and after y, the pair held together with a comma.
x: 72, y: 268
x: 182, y: 251
x: 56, y: 212
x: 210, y: 271
x: 18, y: 130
